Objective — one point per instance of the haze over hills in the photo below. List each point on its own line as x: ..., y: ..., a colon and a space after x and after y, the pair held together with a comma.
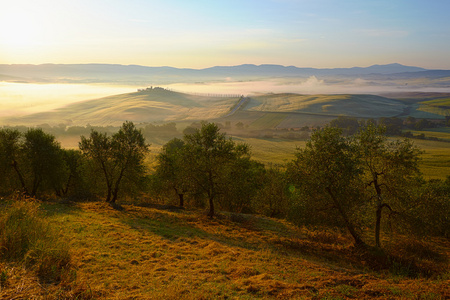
x: 106, y: 73
x: 159, y: 105
x: 294, y: 94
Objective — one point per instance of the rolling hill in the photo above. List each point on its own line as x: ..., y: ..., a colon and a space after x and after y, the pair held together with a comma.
x: 151, y: 105
x: 158, y: 105
x: 361, y: 106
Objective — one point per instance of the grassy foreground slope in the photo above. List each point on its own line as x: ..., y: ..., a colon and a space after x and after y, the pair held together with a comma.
x: 160, y: 253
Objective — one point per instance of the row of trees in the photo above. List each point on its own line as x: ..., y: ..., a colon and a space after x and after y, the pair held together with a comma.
x: 393, y: 125
x: 355, y: 181
x: 35, y: 164
x: 149, y: 130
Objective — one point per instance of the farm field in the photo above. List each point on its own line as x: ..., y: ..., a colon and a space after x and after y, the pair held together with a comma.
x: 435, y: 162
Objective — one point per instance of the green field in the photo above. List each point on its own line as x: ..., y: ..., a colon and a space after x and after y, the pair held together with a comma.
x: 442, y: 133
x: 272, y: 151
x: 364, y: 106
x: 268, y: 121
x: 435, y: 163
x: 442, y: 102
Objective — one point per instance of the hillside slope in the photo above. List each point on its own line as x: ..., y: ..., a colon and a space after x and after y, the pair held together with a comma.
x: 161, y: 252
x: 363, y: 106
x: 152, y: 105
x: 160, y: 105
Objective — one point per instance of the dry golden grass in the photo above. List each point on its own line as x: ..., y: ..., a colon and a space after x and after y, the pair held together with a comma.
x: 160, y: 253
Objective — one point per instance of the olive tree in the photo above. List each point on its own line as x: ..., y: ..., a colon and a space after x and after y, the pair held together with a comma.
x: 45, y: 157
x: 171, y: 171
x: 210, y: 155
x: 327, y: 174
x: 117, y: 157
x: 10, y: 156
x: 35, y: 157
x: 388, y: 168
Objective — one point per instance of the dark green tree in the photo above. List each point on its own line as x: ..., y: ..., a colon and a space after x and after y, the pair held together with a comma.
x: 118, y: 156
x: 45, y: 158
x: 171, y: 170
x: 327, y: 174
x: 11, y: 141
x: 273, y: 198
x: 349, y: 125
x: 75, y: 182
x: 243, y: 181
x: 389, y: 168
x: 209, y: 154
x: 34, y: 158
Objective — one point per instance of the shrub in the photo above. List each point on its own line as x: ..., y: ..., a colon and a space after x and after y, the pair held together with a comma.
x: 26, y: 237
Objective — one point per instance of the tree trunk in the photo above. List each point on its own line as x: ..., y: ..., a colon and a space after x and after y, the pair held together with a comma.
x: 348, y: 224
x: 378, y: 225
x: 211, y: 194
x: 66, y: 188
x: 181, y: 196
x: 211, y: 207
x: 22, y: 181
x: 117, y: 185
x: 114, y: 195
x: 378, y: 212
x: 108, y: 195
x: 36, y: 183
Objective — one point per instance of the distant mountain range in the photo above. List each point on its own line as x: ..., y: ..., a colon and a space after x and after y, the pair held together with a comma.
x: 107, y: 73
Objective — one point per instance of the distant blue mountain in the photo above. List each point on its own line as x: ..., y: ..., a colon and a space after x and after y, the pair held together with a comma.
x: 136, y: 73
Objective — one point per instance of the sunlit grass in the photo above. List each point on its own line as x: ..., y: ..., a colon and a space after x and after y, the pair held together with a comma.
x: 272, y: 151
x: 150, y: 253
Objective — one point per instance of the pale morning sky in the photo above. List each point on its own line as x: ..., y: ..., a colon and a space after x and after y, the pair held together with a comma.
x: 199, y: 34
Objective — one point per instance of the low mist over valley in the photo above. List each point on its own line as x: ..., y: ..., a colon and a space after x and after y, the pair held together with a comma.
x: 75, y: 94
x: 186, y: 150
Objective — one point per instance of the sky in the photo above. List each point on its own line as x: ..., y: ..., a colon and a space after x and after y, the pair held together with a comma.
x: 199, y: 34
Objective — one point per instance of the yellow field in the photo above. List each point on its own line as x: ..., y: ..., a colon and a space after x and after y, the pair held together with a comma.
x: 435, y: 162
x: 272, y: 151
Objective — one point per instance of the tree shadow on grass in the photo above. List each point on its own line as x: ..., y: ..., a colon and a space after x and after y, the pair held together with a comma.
x: 229, y: 229
x: 61, y: 207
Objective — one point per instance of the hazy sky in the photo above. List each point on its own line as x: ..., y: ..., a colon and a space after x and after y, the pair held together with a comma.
x: 198, y: 34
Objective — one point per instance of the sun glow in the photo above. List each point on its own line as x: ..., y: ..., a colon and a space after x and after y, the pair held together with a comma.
x: 19, y: 28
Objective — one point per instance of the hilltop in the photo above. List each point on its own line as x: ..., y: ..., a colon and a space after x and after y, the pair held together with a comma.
x: 149, y: 105
x: 160, y: 105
